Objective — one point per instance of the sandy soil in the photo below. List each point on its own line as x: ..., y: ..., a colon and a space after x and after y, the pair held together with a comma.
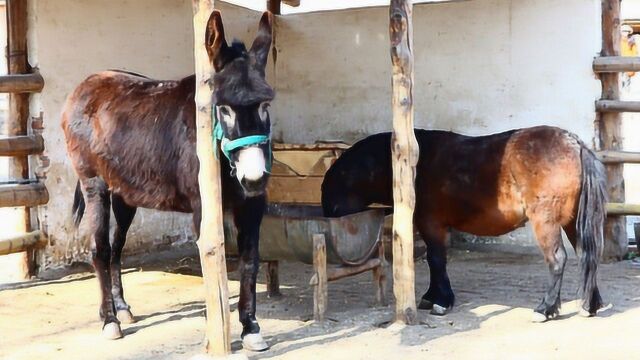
x: 495, y: 293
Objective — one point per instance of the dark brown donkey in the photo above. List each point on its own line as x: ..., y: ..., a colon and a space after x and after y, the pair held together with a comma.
x: 132, y: 140
x: 488, y: 185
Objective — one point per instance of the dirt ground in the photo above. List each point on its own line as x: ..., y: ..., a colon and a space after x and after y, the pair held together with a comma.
x: 58, y: 319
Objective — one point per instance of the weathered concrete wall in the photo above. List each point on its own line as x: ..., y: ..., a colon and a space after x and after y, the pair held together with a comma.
x: 68, y: 40
x: 481, y: 66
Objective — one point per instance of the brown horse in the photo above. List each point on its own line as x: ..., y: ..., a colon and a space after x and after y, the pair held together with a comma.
x: 488, y: 185
x: 132, y: 139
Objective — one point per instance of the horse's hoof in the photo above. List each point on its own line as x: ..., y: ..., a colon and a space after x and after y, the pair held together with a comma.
x: 111, y: 331
x: 585, y: 313
x: 126, y: 317
x: 439, y: 310
x: 538, y: 317
x: 425, y: 305
x: 254, y: 342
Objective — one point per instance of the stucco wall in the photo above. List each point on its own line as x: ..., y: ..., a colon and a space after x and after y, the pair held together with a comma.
x: 481, y: 66
x: 68, y: 40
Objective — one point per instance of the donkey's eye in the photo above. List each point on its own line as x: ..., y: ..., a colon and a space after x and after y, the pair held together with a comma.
x: 263, y: 111
x: 227, y: 115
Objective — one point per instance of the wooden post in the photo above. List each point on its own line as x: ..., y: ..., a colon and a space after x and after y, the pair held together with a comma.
x: 616, y: 243
x: 19, y: 113
x: 404, y: 151
x: 274, y: 6
x: 380, y: 277
x: 273, y: 280
x: 320, y: 291
x: 211, y: 241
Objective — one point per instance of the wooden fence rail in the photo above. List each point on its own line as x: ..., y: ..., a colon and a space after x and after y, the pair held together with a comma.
x: 609, y: 64
x: 21, y: 145
x: 623, y: 209
x: 619, y: 157
x: 21, y: 83
x: 28, y: 195
x: 19, y: 243
x: 617, y: 106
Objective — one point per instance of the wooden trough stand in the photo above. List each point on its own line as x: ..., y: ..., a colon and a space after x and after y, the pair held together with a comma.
x: 336, y: 247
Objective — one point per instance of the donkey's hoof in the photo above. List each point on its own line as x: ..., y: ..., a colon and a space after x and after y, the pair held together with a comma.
x: 111, y: 331
x: 254, y: 342
x: 538, y: 317
x: 425, y: 304
x: 126, y: 317
x: 439, y: 310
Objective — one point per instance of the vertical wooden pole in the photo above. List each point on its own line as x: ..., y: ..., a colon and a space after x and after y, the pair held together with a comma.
x: 615, y: 232
x: 404, y: 153
x: 211, y: 241
x: 19, y: 115
x: 274, y: 6
x: 273, y: 280
x: 320, y: 291
x: 380, y: 277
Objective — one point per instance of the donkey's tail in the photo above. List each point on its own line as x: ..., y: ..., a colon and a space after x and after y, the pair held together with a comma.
x: 78, y: 206
x: 589, y: 226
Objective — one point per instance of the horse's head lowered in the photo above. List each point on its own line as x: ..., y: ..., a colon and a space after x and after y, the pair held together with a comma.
x: 241, y: 97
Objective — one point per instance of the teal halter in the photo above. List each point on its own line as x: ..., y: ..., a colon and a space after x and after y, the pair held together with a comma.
x: 227, y: 146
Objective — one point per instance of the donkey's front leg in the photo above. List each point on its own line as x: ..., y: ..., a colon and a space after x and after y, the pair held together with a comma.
x: 247, y: 217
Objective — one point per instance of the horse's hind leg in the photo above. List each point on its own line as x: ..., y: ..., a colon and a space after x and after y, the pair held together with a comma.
x: 550, y: 240
x: 439, y: 297
x: 97, y: 200
x: 124, y: 216
x: 595, y: 300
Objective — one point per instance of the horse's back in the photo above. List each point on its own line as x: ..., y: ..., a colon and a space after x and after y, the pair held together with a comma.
x: 490, y: 185
x: 134, y: 132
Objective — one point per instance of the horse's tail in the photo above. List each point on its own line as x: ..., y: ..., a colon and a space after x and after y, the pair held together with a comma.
x: 78, y: 206
x: 589, y: 226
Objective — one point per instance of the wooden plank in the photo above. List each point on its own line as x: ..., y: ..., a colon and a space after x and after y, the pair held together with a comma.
x: 380, y: 277
x: 294, y: 190
x: 311, y: 147
x: 618, y: 157
x: 292, y: 3
x: 320, y: 291
x: 21, y: 243
x: 23, y: 195
x: 404, y: 153
x: 610, y: 131
x: 274, y: 6
x: 211, y: 240
x: 17, y: 122
x: 21, y: 83
x: 623, y: 209
x: 21, y: 145
x: 273, y: 280
x: 611, y: 64
x: 341, y: 272
x: 617, y: 106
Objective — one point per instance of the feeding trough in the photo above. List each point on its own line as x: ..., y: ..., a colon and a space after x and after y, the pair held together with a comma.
x: 351, y: 244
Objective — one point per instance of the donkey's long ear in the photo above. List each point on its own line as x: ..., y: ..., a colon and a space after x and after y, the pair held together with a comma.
x: 215, y: 40
x: 262, y: 43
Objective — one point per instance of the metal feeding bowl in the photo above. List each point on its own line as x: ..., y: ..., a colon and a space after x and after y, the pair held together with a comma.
x: 287, y: 234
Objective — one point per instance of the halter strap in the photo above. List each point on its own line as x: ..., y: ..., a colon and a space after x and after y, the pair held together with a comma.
x: 227, y: 146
